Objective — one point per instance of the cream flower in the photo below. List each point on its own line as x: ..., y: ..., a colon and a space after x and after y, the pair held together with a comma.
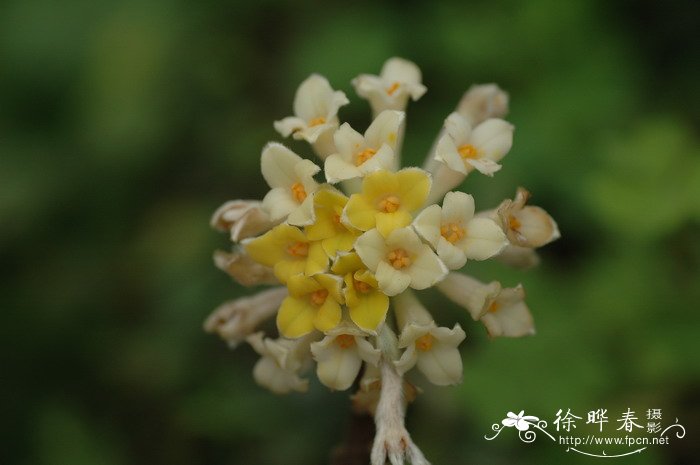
x: 235, y: 320
x: 281, y: 363
x: 433, y: 349
x: 313, y: 303
x: 526, y: 225
x: 243, y: 268
x: 463, y: 149
x: 399, y: 261
x: 387, y: 200
x: 456, y: 234
x: 315, y: 117
x: 242, y: 218
x: 503, y: 311
x: 398, y: 80
x: 290, y: 178
x: 367, y: 304
x: 483, y: 101
x: 340, y: 355
x: 358, y: 155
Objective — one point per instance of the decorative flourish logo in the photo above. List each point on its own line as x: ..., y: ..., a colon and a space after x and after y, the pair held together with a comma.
x: 653, y: 433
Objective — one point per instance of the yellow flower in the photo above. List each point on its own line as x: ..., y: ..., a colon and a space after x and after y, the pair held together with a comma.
x: 313, y: 302
x: 327, y: 228
x: 367, y: 305
x: 387, y: 200
x: 288, y: 252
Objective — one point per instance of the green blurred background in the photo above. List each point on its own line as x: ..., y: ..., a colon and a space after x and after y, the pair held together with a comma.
x: 123, y: 125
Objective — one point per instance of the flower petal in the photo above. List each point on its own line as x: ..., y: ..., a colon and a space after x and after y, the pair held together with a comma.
x: 328, y: 315
x: 371, y: 248
x: 370, y: 310
x: 414, y: 185
x: 428, y: 223
x: 391, y: 280
x: 483, y: 240
x: 426, y: 269
x: 295, y: 317
x: 493, y: 138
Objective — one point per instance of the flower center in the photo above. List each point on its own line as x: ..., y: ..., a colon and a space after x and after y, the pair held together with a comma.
x: 425, y: 342
x: 468, y: 151
x: 514, y: 223
x: 399, y: 258
x: 345, y: 341
x: 336, y: 218
x: 319, y: 297
x: 361, y: 286
x: 452, y: 232
x: 389, y: 204
x: 391, y: 89
x: 298, y: 249
x: 317, y: 121
x: 493, y: 308
x: 363, y: 156
x: 298, y: 192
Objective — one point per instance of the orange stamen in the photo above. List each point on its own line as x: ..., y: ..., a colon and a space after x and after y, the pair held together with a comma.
x: 298, y: 249
x: 298, y: 192
x: 399, y: 259
x: 425, y: 342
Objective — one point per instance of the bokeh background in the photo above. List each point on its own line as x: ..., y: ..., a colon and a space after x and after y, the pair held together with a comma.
x: 124, y: 124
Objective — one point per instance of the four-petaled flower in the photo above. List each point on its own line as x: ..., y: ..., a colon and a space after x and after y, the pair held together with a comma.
x: 398, y: 80
x: 463, y: 149
x: 358, y: 155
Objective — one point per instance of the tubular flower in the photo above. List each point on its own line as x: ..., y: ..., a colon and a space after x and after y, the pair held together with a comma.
x: 455, y: 234
x: 399, y: 261
x: 315, y: 117
x: 327, y: 227
x: 433, y: 349
x: 366, y: 303
x: 340, y: 354
x: 526, y: 225
x: 463, y: 149
x: 313, y: 302
x: 290, y: 178
x: 398, y: 80
x: 288, y: 251
x: 387, y: 200
x: 348, y: 257
x: 358, y: 155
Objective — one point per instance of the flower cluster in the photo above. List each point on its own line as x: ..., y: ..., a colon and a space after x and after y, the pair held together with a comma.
x: 346, y: 240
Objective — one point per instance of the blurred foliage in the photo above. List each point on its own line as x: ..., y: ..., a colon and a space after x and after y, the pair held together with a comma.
x: 123, y: 125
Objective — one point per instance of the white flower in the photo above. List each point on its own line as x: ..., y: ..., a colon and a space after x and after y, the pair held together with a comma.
x: 291, y: 180
x: 316, y: 107
x: 235, y: 320
x: 503, y: 311
x: 398, y: 80
x: 526, y: 225
x: 241, y: 267
x: 456, y: 234
x: 463, y: 149
x: 281, y: 363
x: 358, y: 155
x: 242, y: 218
x: 520, y: 421
x: 399, y: 261
x: 340, y: 355
x: 432, y: 348
x: 483, y: 101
